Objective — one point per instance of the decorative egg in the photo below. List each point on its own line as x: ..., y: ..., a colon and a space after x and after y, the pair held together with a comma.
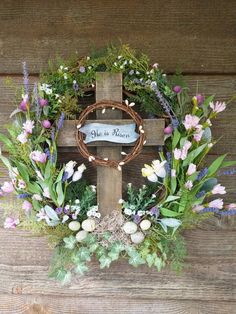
x: 130, y: 227
x: 89, y: 225
x: 74, y: 225
x: 145, y: 224
x: 81, y: 235
x: 137, y: 237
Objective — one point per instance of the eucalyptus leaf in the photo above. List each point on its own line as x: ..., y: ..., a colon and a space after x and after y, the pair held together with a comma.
x: 51, y: 213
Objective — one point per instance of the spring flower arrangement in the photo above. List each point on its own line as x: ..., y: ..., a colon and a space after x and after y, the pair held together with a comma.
x: 181, y: 189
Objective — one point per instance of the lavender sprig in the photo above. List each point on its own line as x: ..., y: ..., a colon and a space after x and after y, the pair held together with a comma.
x: 60, y: 121
x: 23, y: 195
x: 26, y: 78
x: 229, y: 212
x: 165, y: 105
x: 37, y: 107
x: 209, y: 210
x: 200, y: 194
x: 202, y: 174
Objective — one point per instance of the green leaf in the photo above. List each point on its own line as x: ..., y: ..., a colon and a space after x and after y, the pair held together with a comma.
x: 70, y: 242
x: 105, y: 261
x: 158, y: 263
x: 47, y: 172
x: 60, y: 194
x: 206, y: 104
x: 5, y: 161
x: 51, y: 213
x: 215, y: 165
x: 81, y: 268
x: 171, y: 198
x: 228, y: 163
x: 150, y: 259
x: 113, y: 255
x: 209, y: 184
x: 176, y: 138
x: 84, y: 254
x: 169, y: 213
x: 193, y: 154
x: 135, y: 258
x: 23, y: 171
x: 60, y: 175
x: 5, y: 140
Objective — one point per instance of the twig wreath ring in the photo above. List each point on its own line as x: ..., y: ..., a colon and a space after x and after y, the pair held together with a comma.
x: 103, y: 105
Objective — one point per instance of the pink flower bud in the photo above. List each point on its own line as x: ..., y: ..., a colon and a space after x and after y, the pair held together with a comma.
x: 168, y: 130
x: 200, y: 99
x: 23, y: 105
x: 46, y: 124
x: 27, y: 206
x: 177, y: 89
x: 43, y: 102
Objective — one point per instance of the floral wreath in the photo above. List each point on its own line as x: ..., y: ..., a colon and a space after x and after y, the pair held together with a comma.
x: 56, y: 201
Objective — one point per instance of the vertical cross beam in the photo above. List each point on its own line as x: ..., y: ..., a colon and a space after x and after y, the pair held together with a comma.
x: 109, y: 180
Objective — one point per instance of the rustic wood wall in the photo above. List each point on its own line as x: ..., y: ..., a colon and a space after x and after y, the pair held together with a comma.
x: 200, y: 37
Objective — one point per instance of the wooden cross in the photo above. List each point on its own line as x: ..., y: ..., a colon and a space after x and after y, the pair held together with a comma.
x: 109, y: 180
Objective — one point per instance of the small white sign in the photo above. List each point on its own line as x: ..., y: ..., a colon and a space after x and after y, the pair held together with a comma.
x: 122, y: 134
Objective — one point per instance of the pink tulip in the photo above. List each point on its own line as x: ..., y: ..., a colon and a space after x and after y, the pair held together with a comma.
x: 197, y: 208
x: 218, y: 106
x: 11, y: 223
x: 218, y: 189
x: 188, y: 185
x: 7, y: 187
x: 28, y: 126
x: 191, y: 169
x: 190, y: 121
x: 22, y: 137
x: 38, y: 156
x: 231, y: 206
x: 46, y: 124
x: 218, y: 203
x: 27, y: 206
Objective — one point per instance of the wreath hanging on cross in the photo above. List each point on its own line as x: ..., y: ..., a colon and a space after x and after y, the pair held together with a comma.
x: 145, y: 225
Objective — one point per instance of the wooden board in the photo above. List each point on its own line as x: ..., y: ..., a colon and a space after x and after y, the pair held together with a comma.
x: 109, y: 180
x: 153, y: 129
x: 200, y: 37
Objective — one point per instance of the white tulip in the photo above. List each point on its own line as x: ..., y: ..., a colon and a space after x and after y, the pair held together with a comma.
x: 74, y: 225
x: 81, y: 235
x: 130, y: 227
x: 89, y: 225
x: 69, y: 168
x: 137, y: 237
x: 145, y: 224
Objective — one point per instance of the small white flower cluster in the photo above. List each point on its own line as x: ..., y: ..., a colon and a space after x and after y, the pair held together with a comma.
x: 45, y: 88
x: 131, y: 210
x: 93, y: 212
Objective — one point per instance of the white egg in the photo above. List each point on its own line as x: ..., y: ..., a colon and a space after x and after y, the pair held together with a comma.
x: 130, y: 227
x: 81, y: 235
x: 145, y: 224
x: 89, y: 225
x: 74, y: 225
x: 137, y: 237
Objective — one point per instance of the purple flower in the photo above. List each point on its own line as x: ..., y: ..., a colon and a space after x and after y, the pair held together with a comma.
x: 43, y: 102
x: 209, y: 210
x: 168, y: 130
x: 137, y: 219
x: 23, y: 195
x: 200, y: 99
x: 154, y: 211
x: 59, y: 210
x: 177, y: 89
x: 11, y: 223
x: 66, y: 210
x: 26, y: 78
x: 75, y: 86
x: 65, y: 176
x: 202, y: 174
x: 82, y: 69
x: 60, y: 121
x: 47, y: 152
x: 46, y: 124
x: 53, y: 134
x: 230, y: 212
x: 200, y: 194
x: 38, y: 156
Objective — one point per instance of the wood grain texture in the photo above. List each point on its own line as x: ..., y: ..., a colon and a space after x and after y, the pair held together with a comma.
x: 109, y: 180
x: 153, y: 130
x: 197, y: 36
x: 27, y: 304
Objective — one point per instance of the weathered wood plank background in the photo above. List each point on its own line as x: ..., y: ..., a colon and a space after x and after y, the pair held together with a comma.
x: 200, y: 37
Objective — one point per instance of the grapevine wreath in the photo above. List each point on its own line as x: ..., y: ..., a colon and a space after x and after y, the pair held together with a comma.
x: 180, y: 192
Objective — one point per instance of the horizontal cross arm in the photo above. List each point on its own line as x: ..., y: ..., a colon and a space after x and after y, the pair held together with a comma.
x: 153, y: 129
